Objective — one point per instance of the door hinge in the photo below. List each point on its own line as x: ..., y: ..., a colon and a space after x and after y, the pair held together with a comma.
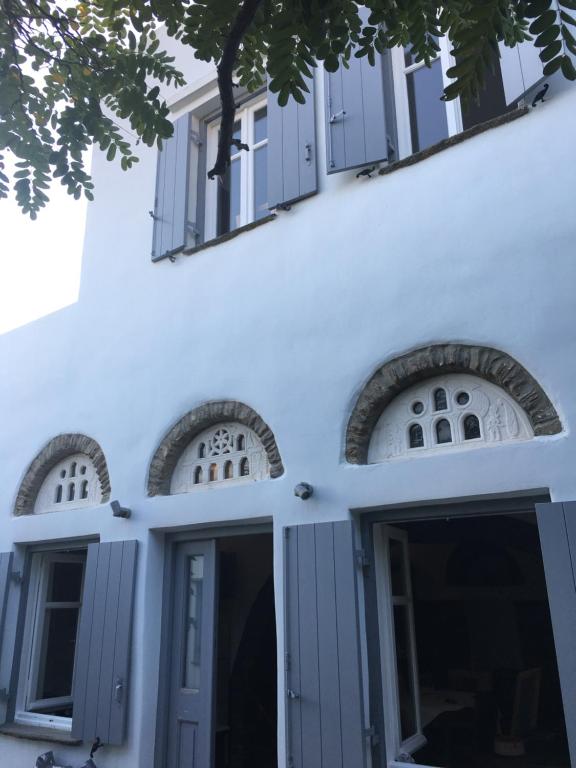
x: 362, y: 559
x: 372, y: 736
x: 195, y: 138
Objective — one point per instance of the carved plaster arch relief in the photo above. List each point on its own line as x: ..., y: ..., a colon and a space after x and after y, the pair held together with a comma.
x: 71, y: 484
x: 452, y: 412
x: 227, y: 453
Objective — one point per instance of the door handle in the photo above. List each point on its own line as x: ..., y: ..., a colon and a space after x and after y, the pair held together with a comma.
x: 292, y: 694
x: 118, y: 689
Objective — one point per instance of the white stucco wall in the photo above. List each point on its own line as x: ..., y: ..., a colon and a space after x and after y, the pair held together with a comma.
x: 475, y: 244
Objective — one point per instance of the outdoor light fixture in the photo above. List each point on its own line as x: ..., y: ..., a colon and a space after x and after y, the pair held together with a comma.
x: 303, y: 491
x: 119, y: 511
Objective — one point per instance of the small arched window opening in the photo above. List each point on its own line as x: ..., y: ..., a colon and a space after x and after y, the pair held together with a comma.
x: 416, y: 436
x: 240, y: 442
x: 244, y: 467
x: 228, y: 471
x: 83, y: 469
x: 73, y: 469
x: 440, y: 401
x: 443, y: 431
x: 197, y: 475
x: 58, y: 495
x: 202, y: 450
x: 84, y: 489
x: 71, y: 492
x: 62, y: 473
x: 471, y: 427
x: 213, y: 474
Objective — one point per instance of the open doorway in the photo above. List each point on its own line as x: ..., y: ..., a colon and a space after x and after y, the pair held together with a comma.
x: 222, y: 645
x: 469, y: 669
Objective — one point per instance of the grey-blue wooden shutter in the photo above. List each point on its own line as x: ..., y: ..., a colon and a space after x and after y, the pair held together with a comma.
x: 171, y: 201
x: 5, y: 576
x: 325, y: 718
x: 521, y: 69
x: 292, y: 172
x: 557, y: 527
x: 355, y: 113
x: 101, y: 672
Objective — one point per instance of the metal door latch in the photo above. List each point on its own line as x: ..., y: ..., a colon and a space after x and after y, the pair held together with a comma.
x: 118, y: 689
x: 292, y: 694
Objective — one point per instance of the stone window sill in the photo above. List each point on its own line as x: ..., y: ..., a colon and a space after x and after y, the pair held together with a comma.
x: 38, y: 733
x: 451, y: 141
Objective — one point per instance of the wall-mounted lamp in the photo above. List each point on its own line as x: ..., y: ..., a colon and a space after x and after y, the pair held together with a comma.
x: 119, y: 511
x: 303, y: 491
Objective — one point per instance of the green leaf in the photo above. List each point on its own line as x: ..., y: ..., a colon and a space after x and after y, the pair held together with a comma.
x: 552, y: 66
x: 547, y: 37
x: 568, y: 69
x: 551, y: 51
x: 331, y: 63
x: 543, y: 22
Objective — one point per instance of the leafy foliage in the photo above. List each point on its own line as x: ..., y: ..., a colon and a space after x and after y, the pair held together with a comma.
x: 70, y: 68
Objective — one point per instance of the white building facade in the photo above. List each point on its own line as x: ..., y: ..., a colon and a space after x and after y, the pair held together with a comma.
x: 378, y: 302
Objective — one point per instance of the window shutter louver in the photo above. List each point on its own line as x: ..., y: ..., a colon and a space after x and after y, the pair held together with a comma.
x: 521, y: 69
x: 557, y: 527
x: 5, y: 576
x: 292, y: 172
x: 171, y: 202
x: 325, y: 718
x: 100, y: 690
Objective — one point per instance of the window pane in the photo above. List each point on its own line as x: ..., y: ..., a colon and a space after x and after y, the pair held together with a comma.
x: 65, y: 583
x: 491, y: 102
x: 229, y: 199
x: 193, y: 623
x: 260, y: 183
x: 471, y: 427
x: 260, y: 125
x: 57, y: 661
x: 428, y: 122
x: 443, y: 431
x: 416, y: 436
x: 406, y: 699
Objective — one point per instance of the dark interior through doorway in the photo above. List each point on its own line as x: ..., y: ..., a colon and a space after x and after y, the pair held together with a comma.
x: 246, y: 682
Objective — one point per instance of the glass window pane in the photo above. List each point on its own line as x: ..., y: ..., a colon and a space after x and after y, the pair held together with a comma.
x: 397, y: 571
x: 471, y: 427
x: 260, y: 125
x: 229, y: 199
x: 57, y: 660
x: 416, y: 436
x: 443, y: 431
x: 440, y: 401
x: 406, y: 698
x: 260, y: 183
x: 65, y: 583
x: 428, y: 121
x: 193, y: 627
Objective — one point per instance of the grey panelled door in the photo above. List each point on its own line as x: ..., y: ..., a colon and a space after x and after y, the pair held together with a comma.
x: 171, y: 202
x: 291, y: 149
x: 101, y: 670
x: 191, y: 727
x: 325, y: 719
x: 557, y: 527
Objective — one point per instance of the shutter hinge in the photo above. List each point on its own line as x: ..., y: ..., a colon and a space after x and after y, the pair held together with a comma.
x: 292, y: 694
x: 193, y: 230
x: 372, y: 735
x: 195, y: 138
x: 362, y: 559
x: 287, y: 662
x: 391, y: 148
x: 17, y: 577
x: 335, y: 117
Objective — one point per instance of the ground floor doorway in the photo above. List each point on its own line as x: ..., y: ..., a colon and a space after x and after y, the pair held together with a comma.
x: 467, y: 654
x: 221, y: 707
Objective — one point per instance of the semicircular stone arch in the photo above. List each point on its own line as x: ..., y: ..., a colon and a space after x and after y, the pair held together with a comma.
x: 52, y: 454
x: 193, y: 424
x: 400, y: 373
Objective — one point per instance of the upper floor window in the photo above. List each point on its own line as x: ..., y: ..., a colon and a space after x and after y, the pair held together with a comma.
x: 453, y: 411
x: 72, y: 483
x: 241, y: 196
x: 225, y: 453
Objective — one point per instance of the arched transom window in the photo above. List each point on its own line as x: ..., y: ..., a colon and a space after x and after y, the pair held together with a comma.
x: 72, y: 483
x: 449, y: 412
x: 227, y: 452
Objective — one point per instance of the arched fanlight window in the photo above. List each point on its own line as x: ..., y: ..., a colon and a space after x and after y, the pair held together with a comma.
x: 443, y: 431
x: 228, y: 470
x: 244, y: 467
x: 440, y: 401
x: 471, y: 427
x: 416, y: 436
x: 197, y: 475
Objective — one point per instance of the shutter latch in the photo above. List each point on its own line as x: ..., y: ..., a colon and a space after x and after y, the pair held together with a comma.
x: 292, y: 694
x: 337, y: 115
x: 372, y: 736
x: 118, y: 689
x: 308, y: 153
x: 362, y: 559
x: 17, y: 577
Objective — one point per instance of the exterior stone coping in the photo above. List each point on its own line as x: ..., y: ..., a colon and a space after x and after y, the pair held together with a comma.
x: 402, y: 372
x: 192, y: 424
x: 38, y: 733
x: 53, y: 452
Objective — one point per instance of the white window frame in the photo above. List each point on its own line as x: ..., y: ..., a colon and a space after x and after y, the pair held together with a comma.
x: 399, y: 73
x: 32, y: 649
x: 244, y: 115
x: 385, y: 602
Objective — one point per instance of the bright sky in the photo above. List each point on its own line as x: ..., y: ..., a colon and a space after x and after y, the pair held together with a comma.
x: 39, y: 260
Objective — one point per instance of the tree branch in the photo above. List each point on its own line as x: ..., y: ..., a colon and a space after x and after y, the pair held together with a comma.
x: 225, y: 84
